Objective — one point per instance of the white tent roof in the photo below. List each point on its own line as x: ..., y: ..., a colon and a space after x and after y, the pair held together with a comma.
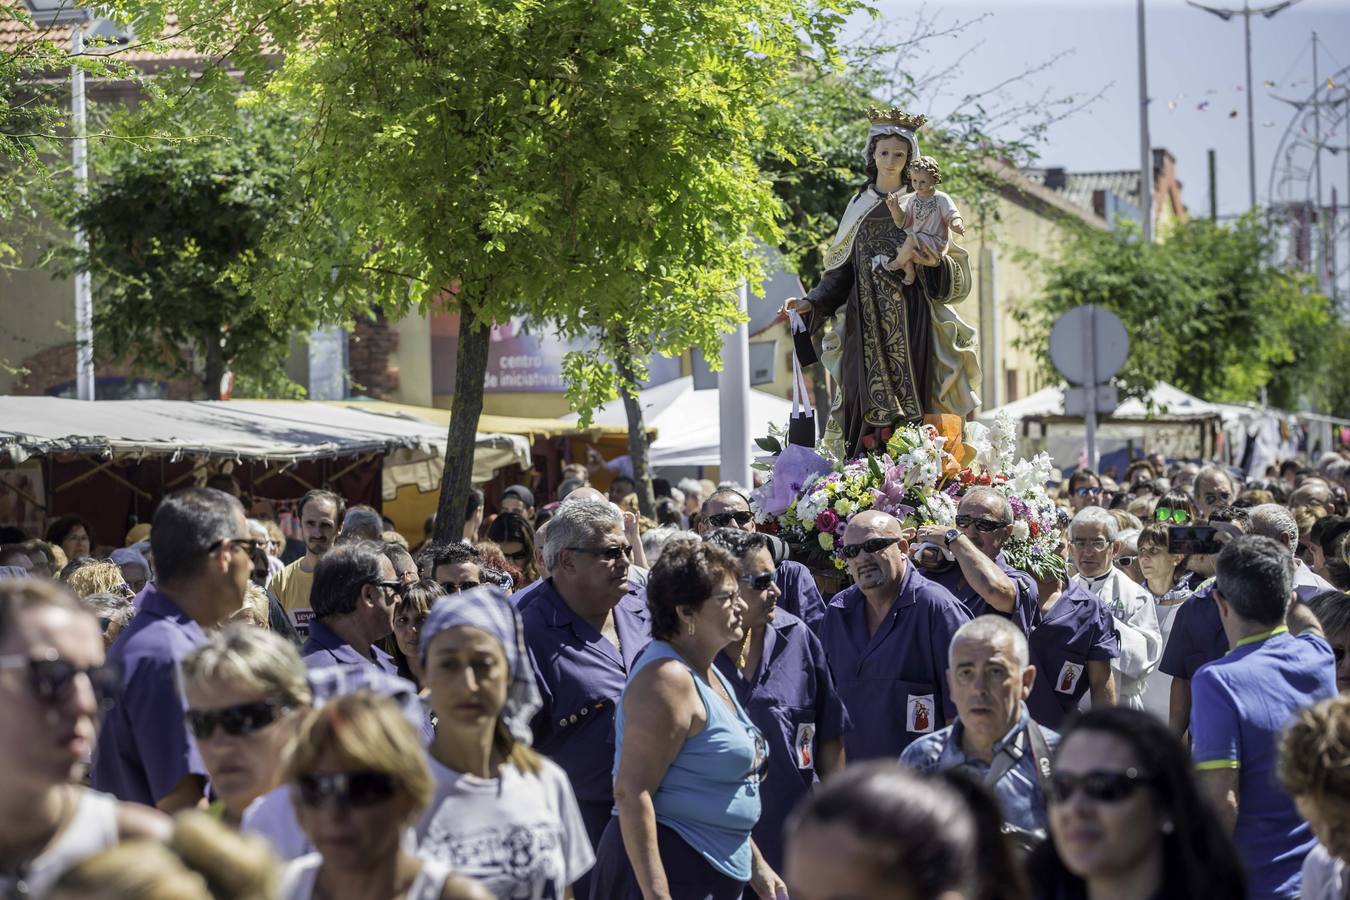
x: 235, y: 429
x: 688, y: 428
x: 1164, y: 400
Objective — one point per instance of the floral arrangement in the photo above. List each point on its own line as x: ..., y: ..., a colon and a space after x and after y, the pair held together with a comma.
x: 919, y: 477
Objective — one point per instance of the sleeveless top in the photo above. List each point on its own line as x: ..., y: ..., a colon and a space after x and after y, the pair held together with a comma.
x: 298, y: 882
x: 91, y: 830
x: 710, y: 794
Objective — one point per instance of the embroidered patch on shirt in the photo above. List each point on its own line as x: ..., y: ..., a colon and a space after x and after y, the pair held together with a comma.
x: 919, y: 713
x: 805, y: 745
x: 1068, y: 678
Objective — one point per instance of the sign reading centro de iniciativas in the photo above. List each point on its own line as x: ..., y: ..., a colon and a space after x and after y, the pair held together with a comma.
x: 518, y: 361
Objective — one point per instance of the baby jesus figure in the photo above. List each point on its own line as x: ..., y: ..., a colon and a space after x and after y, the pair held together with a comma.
x: 927, y: 216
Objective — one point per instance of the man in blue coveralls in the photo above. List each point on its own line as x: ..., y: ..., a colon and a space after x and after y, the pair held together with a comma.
x: 886, y: 638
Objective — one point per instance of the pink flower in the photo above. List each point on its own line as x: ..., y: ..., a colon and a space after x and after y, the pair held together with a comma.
x: 827, y: 521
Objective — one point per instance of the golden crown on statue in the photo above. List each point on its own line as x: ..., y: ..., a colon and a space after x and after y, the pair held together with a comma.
x: 896, y: 116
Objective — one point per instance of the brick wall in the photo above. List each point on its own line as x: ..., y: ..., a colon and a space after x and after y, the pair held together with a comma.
x: 369, y: 347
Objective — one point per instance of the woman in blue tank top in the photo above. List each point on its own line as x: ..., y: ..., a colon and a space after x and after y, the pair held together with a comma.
x: 687, y: 758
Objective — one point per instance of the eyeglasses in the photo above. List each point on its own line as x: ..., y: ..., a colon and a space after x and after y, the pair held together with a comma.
x: 453, y: 588
x: 1103, y: 787
x: 53, y: 678
x: 237, y: 721
x: 1087, y: 491
x: 1098, y: 544
x: 347, y: 789
x: 397, y: 587
x: 875, y: 545
x: 608, y: 554
x: 984, y: 525
x: 1167, y: 514
x: 248, y: 545
x: 724, y: 520
x: 1125, y: 562
x: 761, y: 581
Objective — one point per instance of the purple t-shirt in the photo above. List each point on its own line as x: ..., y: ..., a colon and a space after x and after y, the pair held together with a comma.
x: 1076, y: 630
x: 1239, y: 706
x: 1026, y: 606
x: 144, y: 748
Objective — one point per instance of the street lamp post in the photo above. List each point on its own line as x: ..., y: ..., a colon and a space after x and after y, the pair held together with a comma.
x: 1145, y: 142
x: 1247, y: 12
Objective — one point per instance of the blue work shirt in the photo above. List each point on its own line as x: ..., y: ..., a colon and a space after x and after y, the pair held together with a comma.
x: 1077, y: 629
x: 581, y: 676
x: 799, y: 594
x: 894, y: 681
x: 1197, y: 635
x: 791, y: 698
x: 1018, y: 792
x: 1239, y: 706
x: 1026, y: 608
x: 324, y: 647
x: 144, y: 749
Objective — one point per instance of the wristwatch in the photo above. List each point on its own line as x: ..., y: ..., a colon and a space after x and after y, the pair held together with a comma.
x: 951, y: 535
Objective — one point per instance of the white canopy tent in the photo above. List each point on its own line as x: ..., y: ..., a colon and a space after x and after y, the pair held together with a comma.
x: 688, y: 430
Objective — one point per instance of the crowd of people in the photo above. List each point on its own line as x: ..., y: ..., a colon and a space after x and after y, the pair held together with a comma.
x: 571, y: 700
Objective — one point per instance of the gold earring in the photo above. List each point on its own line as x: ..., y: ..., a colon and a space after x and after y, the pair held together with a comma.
x: 691, y: 628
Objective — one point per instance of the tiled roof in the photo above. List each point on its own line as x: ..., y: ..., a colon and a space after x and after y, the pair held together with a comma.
x: 1080, y: 187
x: 15, y: 34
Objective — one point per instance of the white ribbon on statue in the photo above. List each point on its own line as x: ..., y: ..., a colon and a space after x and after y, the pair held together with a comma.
x: 801, y: 397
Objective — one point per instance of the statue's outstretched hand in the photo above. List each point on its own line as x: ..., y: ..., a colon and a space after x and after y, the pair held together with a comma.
x: 800, y: 304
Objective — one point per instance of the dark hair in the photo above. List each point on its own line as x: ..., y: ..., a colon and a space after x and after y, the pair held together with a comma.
x: 660, y: 487
x: 1332, y: 609
x: 1175, y: 499
x: 224, y: 481
x: 999, y: 871
x: 686, y: 575
x: 339, y: 505
x: 737, y: 542
x: 512, y: 526
x: 622, y: 477
x: 421, y: 595
x: 1328, y: 531
x: 12, y: 534
x: 668, y: 513
x: 1235, y: 514
x: 340, y: 575
x: 361, y: 522
x: 472, y: 503
x: 451, y: 554
x: 59, y: 530
x: 1255, y: 574
x: 187, y: 524
x: 1081, y: 476
x: 1199, y: 859
x: 922, y: 831
x: 11, y: 552
x: 870, y: 156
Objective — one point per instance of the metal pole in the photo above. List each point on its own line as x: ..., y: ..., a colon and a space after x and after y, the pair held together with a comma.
x: 1320, y: 254
x: 733, y: 389
x: 84, y: 307
x: 1213, y: 189
x: 1145, y: 144
x: 1251, y: 115
x: 1090, y: 388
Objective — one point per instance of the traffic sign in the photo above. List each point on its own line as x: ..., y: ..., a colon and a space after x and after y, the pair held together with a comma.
x: 1089, y: 344
x: 1106, y: 400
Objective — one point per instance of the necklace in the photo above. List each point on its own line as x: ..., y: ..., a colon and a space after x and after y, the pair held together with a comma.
x: 923, y: 207
x: 744, y: 652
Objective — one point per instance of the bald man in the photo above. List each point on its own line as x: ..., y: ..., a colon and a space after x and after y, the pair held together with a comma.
x: 886, y: 638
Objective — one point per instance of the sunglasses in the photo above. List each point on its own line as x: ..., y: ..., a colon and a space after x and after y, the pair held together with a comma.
x: 608, y: 554
x: 1177, y: 516
x: 761, y: 581
x: 984, y: 525
x: 1087, y: 491
x: 248, y: 545
x: 875, y: 545
x: 237, y: 721
x: 347, y: 789
x: 724, y: 520
x: 53, y: 678
x: 1102, y: 787
x: 397, y: 587
x: 1125, y: 562
x: 1219, y: 498
x: 453, y: 588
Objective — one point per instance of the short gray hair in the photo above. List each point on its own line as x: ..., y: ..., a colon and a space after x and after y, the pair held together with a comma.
x: 1274, y: 521
x: 1095, y: 515
x: 577, y: 524
x: 978, y: 493
x: 1209, y: 473
x: 994, y: 629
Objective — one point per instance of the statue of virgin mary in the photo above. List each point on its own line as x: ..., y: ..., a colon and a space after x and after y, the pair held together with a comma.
x: 897, y: 352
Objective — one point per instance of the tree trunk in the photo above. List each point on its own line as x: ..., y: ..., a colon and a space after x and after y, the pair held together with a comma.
x: 457, y: 478
x: 215, y: 369
x: 637, y: 438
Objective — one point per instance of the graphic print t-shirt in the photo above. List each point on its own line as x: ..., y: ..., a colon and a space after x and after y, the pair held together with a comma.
x: 521, y: 835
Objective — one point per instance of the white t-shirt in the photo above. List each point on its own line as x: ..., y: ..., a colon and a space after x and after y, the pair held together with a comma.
x: 521, y: 835
x: 297, y: 882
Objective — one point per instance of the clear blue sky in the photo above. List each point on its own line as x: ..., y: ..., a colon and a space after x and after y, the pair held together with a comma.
x: 1193, y: 58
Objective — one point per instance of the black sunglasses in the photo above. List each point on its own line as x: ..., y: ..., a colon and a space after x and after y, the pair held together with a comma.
x: 724, y: 520
x: 1087, y: 491
x: 609, y: 554
x: 1103, y: 787
x: 53, y: 678
x: 453, y: 588
x: 237, y: 721
x: 397, y: 587
x: 249, y: 545
x: 875, y: 545
x: 761, y: 581
x: 347, y: 789
x: 984, y: 525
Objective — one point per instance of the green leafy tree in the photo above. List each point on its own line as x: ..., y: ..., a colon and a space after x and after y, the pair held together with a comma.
x: 174, y: 225
x: 1206, y: 308
x: 579, y: 163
